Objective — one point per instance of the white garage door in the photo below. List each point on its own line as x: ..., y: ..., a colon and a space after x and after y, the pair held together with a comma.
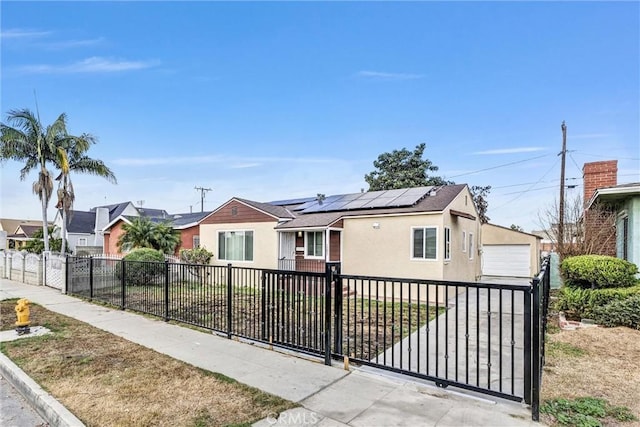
x: 506, y: 260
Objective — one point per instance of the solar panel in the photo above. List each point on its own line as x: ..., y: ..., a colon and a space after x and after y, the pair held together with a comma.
x: 368, y: 200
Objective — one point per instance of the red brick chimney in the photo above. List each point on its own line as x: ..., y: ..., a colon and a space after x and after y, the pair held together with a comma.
x: 598, y: 175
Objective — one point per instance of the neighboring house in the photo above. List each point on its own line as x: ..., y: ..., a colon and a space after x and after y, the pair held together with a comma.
x: 602, y: 189
x: 422, y: 233
x: 624, y: 199
x: 188, y: 224
x: 13, y: 236
x: 508, y: 252
x: 85, y: 228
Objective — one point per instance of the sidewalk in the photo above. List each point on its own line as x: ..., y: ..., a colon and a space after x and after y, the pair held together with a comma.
x: 330, y: 395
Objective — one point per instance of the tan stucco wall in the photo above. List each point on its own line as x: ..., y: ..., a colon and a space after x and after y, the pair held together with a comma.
x: 497, y: 235
x: 265, y: 243
x: 386, y: 251
x: 462, y: 267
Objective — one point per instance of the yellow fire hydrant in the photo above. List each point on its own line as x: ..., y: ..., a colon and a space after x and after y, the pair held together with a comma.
x: 22, y: 312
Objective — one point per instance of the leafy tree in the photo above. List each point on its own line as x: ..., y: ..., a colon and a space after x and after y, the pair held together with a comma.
x: 77, y: 161
x: 480, y: 194
x: 24, y: 139
x: 143, y: 233
x: 516, y: 227
x: 403, y: 169
x: 36, y: 245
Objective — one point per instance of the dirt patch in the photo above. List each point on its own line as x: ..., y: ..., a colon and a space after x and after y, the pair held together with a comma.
x: 106, y: 380
x: 594, y: 362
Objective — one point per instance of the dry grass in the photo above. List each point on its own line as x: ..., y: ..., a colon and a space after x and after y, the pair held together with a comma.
x: 106, y: 380
x: 594, y: 362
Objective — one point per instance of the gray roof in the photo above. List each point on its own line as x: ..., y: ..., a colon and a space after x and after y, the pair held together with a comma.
x: 178, y: 220
x: 277, y: 211
x: 443, y: 197
x: 153, y: 213
x: 81, y: 222
x: 114, y: 210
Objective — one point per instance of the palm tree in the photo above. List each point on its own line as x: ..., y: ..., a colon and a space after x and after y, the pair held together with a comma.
x: 138, y: 234
x: 165, y: 238
x: 77, y: 161
x: 143, y: 233
x: 24, y: 139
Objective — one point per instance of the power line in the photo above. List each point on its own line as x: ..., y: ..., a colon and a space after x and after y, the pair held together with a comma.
x: 498, y: 166
x: 202, y: 191
x: 606, y: 157
x: 530, y: 188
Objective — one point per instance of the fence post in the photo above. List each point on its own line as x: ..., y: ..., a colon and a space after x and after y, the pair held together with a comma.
x: 122, y: 282
x: 337, y: 310
x: 229, y: 302
x: 535, y: 374
x: 90, y: 278
x: 263, y: 307
x: 328, y: 278
x: 527, y: 344
x: 166, y: 290
x: 66, y: 275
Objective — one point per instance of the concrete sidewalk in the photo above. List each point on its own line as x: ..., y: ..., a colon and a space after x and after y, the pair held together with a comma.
x: 330, y: 396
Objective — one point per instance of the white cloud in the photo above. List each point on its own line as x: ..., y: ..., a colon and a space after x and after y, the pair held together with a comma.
x: 68, y: 44
x: 510, y: 150
x: 388, y: 76
x: 17, y: 33
x: 95, y: 64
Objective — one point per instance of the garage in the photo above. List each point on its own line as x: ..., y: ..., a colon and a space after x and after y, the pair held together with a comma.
x: 506, y: 260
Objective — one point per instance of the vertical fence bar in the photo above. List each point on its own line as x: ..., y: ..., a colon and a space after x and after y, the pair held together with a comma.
x: 229, y: 302
x: 328, y: 277
x: 263, y: 305
x: 122, y: 283
x: 166, y: 291
x: 535, y: 374
x: 338, y: 301
x: 527, y: 345
x: 90, y: 278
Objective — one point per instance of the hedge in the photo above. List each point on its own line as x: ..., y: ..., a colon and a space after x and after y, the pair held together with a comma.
x: 144, y: 266
x: 619, y: 313
x: 598, y: 271
x: 583, y: 303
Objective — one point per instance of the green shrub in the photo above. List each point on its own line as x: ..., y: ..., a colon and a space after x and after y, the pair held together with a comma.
x: 196, y: 256
x: 598, y: 271
x: 624, y: 312
x: 143, y: 266
x: 581, y: 303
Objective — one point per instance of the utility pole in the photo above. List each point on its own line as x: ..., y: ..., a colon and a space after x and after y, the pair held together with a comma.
x: 563, y: 153
x: 202, y: 191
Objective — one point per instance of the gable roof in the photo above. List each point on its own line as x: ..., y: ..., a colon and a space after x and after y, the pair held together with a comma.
x: 11, y: 225
x: 24, y: 230
x: 114, y: 210
x: 81, y: 222
x: 271, y: 209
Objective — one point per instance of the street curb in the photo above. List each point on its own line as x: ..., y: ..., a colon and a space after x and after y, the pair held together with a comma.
x: 45, y: 405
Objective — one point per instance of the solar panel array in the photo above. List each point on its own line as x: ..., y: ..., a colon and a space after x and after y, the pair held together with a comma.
x: 370, y: 200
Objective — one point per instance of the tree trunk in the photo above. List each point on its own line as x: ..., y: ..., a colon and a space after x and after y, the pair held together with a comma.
x: 45, y: 224
x: 63, y: 232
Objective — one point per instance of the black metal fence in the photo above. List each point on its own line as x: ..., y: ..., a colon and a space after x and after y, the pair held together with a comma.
x: 477, y: 336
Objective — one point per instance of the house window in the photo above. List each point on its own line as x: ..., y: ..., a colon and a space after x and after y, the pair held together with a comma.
x: 196, y: 242
x: 447, y: 244
x: 425, y: 244
x: 235, y: 245
x: 314, y: 244
x: 470, y: 245
x: 82, y: 241
x: 464, y: 241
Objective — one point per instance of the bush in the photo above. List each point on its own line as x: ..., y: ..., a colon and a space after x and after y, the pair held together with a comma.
x: 143, y: 266
x: 196, y: 256
x: 582, y: 303
x: 598, y: 271
x: 619, y: 313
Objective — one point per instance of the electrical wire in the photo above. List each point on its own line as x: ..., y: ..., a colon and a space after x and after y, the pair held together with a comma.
x: 606, y: 157
x: 498, y: 166
x: 530, y: 188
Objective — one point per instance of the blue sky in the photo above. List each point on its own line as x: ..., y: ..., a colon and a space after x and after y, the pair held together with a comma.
x: 270, y: 101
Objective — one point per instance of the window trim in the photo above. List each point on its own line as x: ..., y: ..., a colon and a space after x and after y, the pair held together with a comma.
x: 470, y: 246
x: 219, y: 232
x: 447, y: 244
x: 464, y: 241
x: 82, y: 241
x: 412, y: 244
x: 194, y: 238
x: 306, y: 247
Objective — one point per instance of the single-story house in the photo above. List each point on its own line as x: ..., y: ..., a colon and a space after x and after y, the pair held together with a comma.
x: 10, y: 237
x: 624, y: 199
x: 508, y: 252
x: 423, y: 233
x: 188, y: 224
